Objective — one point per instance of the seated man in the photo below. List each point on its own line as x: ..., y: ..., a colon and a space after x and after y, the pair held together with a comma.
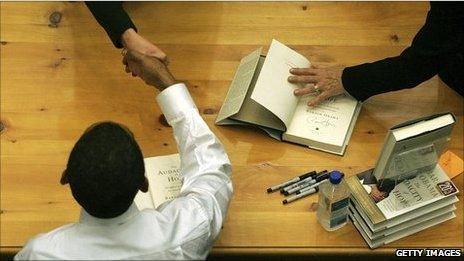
x: 105, y: 170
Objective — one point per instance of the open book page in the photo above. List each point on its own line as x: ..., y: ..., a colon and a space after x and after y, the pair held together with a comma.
x: 327, y: 123
x: 239, y: 86
x: 164, y: 179
x: 253, y: 112
x: 272, y: 90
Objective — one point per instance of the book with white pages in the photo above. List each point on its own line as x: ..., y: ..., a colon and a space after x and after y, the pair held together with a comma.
x: 399, y: 227
x: 401, y: 219
x: 260, y: 95
x: 402, y: 233
x: 413, y: 146
x: 164, y: 181
x: 406, y: 197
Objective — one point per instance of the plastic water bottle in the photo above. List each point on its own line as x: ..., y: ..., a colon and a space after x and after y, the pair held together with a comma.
x: 332, y: 212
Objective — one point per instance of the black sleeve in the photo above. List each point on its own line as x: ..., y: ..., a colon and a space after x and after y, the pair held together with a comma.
x: 112, y: 17
x: 438, y: 39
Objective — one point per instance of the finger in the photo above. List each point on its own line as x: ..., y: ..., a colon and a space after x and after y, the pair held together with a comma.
x: 123, y: 51
x: 320, y: 98
x: 166, y: 61
x: 309, y: 88
x: 302, y: 71
x: 124, y: 60
x: 134, y: 56
x: 302, y: 79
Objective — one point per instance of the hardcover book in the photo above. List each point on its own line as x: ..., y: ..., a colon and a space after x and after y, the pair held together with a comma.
x: 414, y: 146
x: 399, y: 227
x: 260, y: 95
x: 380, y: 206
x: 374, y: 243
x: 408, y: 191
x: 164, y: 181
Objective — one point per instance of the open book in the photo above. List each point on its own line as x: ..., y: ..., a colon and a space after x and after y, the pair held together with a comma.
x: 260, y: 95
x: 414, y: 146
x: 164, y: 180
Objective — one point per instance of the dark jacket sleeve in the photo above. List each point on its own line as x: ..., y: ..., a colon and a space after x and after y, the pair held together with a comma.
x: 439, y: 38
x: 112, y: 17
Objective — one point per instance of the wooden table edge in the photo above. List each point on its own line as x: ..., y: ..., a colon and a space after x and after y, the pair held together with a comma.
x: 320, y: 251
x: 316, y: 251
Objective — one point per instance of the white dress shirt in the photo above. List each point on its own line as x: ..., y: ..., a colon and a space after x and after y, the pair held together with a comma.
x: 184, y: 228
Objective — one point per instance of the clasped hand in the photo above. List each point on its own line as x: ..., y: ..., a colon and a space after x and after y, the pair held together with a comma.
x: 150, y: 69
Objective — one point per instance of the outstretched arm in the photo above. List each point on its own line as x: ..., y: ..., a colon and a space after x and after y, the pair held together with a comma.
x: 195, y: 218
x: 121, y: 30
x: 439, y: 38
x: 112, y: 17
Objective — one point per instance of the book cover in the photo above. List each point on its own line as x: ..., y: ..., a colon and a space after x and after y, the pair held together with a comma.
x: 414, y: 146
x: 164, y: 181
x: 384, y: 203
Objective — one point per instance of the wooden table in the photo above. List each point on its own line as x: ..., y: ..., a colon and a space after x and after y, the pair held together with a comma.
x: 56, y: 81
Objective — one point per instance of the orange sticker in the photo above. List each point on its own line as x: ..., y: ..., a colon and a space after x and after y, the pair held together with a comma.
x: 451, y: 164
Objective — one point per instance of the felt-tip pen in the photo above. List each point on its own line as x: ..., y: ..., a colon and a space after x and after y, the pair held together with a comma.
x: 294, y: 180
x: 310, y: 176
x: 302, y: 195
x: 303, y: 184
x: 315, y: 185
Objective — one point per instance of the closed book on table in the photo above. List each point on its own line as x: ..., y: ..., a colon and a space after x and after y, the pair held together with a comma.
x: 427, y: 190
x: 164, y: 181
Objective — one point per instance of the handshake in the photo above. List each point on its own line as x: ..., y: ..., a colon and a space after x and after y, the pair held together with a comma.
x: 150, y: 69
x: 154, y: 72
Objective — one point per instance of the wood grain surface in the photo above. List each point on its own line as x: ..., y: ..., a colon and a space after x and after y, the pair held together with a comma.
x: 57, y: 80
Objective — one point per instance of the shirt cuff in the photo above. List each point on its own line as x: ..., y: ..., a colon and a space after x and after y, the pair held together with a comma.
x: 174, y: 100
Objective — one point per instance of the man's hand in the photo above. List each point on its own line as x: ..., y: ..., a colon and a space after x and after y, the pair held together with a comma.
x: 151, y: 70
x: 134, y: 42
x: 322, y: 82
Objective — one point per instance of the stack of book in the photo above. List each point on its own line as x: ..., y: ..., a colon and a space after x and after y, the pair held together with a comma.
x: 407, y: 191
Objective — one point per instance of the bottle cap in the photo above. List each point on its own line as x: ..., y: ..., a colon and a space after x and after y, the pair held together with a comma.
x: 335, y: 177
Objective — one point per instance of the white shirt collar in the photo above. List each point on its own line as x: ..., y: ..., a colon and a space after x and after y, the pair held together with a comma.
x: 121, y: 219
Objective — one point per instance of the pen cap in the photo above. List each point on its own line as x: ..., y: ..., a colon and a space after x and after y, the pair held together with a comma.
x: 309, y: 174
x: 322, y: 177
x: 335, y: 177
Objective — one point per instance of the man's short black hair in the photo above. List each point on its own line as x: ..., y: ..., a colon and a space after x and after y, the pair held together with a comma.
x: 105, y: 169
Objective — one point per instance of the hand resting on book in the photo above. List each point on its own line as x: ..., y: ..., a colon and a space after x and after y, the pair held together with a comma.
x: 321, y: 82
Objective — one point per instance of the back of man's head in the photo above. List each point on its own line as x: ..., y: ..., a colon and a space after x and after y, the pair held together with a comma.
x: 105, y: 170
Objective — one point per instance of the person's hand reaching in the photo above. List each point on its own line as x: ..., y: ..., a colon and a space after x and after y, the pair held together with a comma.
x: 132, y: 41
x: 321, y: 82
x: 150, y: 69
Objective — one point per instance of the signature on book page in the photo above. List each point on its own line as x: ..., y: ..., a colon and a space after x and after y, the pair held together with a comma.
x: 315, y: 120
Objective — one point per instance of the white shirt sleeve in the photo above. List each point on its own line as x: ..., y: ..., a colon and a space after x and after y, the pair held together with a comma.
x: 200, y: 209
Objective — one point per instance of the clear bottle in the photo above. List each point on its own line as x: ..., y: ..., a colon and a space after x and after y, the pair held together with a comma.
x: 332, y: 211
